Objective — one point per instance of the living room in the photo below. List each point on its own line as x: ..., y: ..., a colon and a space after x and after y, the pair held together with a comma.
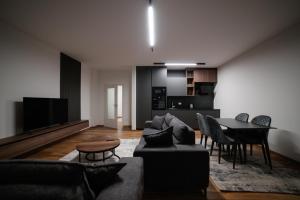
x: 95, y: 60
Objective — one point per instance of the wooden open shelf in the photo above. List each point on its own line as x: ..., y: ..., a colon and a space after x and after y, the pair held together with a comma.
x: 19, y: 145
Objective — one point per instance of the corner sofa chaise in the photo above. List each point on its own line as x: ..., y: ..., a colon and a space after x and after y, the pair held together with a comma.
x: 49, y: 180
x: 181, y: 166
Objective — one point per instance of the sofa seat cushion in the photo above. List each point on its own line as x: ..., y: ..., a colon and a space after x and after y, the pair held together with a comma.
x: 161, y: 138
x: 128, y: 184
x: 100, y: 175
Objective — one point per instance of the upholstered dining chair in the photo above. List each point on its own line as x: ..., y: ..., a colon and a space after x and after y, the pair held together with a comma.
x: 220, y: 139
x: 203, y: 127
x: 259, y: 137
x: 243, y: 117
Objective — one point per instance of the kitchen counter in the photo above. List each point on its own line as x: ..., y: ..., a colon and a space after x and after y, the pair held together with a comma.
x: 188, y: 116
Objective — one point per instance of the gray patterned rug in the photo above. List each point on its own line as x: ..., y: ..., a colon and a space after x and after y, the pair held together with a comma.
x: 255, y: 176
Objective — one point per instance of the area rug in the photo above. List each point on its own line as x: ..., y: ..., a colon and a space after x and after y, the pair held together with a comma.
x: 255, y: 176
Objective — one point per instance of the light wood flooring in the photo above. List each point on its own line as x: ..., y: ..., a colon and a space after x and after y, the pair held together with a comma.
x: 63, y: 147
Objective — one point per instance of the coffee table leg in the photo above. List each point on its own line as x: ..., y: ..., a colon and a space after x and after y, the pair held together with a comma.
x: 114, y: 153
x: 79, y: 157
x: 103, y: 156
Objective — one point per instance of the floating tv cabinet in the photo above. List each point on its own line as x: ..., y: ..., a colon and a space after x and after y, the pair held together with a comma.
x: 16, y: 146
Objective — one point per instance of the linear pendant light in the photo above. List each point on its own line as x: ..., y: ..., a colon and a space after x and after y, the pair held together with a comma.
x: 151, y: 25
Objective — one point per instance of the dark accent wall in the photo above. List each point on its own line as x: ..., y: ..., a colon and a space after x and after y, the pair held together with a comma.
x: 143, y: 96
x: 70, y: 81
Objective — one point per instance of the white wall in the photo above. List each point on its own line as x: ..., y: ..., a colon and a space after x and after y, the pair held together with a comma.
x: 101, y: 78
x: 86, y: 81
x: 133, y: 98
x: 266, y: 80
x: 29, y: 68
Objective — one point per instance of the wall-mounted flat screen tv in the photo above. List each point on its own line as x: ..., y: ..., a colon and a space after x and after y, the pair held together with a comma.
x: 44, y: 112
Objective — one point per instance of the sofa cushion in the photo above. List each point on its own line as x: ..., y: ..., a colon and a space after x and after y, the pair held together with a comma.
x: 180, y: 130
x: 165, y: 125
x: 168, y: 118
x: 157, y: 122
x: 100, y: 175
x: 161, y: 138
x: 47, y: 180
x: 128, y: 184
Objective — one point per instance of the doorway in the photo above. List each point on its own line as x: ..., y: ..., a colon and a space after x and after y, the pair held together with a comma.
x: 113, y: 106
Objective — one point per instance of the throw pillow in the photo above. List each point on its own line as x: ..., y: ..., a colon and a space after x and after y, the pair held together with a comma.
x: 162, y: 138
x: 168, y: 118
x: 100, y: 175
x: 179, y: 129
x: 157, y: 122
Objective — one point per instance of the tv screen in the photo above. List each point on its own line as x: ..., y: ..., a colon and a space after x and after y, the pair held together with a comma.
x: 44, y: 112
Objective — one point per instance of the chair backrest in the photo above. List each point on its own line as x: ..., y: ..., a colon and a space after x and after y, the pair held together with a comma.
x: 202, y: 123
x: 215, y: 128
x: 263, y: 120
x: 243, y: 117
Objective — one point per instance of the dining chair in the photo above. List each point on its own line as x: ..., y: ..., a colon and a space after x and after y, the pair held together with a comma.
x: 259, y: 137
x: 243, y: 117
x: 220, y: 139
x: 203, y: 127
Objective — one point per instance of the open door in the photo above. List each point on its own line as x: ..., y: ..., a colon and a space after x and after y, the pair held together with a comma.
x: 111, y: 99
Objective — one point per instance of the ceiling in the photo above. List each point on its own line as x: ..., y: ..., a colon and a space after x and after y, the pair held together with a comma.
x: 112, y: 34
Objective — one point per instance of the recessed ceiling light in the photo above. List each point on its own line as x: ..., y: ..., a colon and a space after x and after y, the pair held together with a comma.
x: 151, y: 26
x: 180, y: 64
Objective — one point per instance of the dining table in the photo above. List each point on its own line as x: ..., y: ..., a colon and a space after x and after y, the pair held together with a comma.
x: 245, y: 129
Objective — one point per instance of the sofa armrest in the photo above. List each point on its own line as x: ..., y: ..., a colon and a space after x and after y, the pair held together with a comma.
x: 129, y: 184
x: 176, y: 166
x: 148, y: 124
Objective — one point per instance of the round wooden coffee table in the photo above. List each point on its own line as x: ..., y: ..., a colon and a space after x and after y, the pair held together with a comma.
x: 98, y: 147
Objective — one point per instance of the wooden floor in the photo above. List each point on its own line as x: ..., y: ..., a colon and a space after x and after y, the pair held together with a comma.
x: 63, y: 147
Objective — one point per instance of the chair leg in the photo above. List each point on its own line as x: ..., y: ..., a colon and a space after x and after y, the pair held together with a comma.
x: 251, y: 151
x: 234, y: 155
x: 201, y: 138
x: 264, y: 152
x: 212, y: 147
x: 268, y: 152
x: 205, y: 141
x: 220, y: 150
x: 245, y: 152
x: 228, y: 149
x: 240, y: 153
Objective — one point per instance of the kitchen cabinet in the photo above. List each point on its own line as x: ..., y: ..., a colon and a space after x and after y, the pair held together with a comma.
x: 143, y: 96
x: 159, y: 76
x: 205, y: 75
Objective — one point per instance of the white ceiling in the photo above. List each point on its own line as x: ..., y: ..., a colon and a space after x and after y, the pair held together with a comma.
x: 113, y: 33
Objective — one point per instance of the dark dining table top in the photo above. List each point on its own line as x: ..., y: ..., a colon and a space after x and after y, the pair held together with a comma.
x: 235, y: 124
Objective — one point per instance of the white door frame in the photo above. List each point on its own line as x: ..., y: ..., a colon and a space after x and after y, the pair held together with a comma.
x: 111, y: 122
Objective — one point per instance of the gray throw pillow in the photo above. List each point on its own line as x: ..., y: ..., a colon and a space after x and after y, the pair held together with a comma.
x: 179, y: 129
x: 162, y: 138
x: 157, y: 122
x: 100, y: 175
x: 168, y: 118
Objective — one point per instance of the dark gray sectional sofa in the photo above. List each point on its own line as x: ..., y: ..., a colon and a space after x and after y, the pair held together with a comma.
x: 55, y: 180
x: 181, y: 166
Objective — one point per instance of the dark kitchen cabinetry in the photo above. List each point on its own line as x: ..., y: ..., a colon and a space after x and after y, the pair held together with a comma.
x: 143, y: 96
x: 176, y: 83
x: 159, y: 76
